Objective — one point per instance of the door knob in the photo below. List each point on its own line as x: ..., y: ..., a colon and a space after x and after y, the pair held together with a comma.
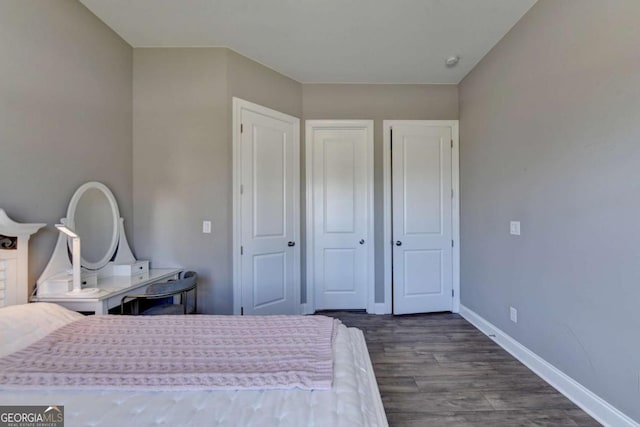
x: 291, y: 244
x: 362, y: 241
x: 398, y: 243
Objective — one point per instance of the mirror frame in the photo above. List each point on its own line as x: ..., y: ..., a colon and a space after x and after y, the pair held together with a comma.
x: 71, y: 211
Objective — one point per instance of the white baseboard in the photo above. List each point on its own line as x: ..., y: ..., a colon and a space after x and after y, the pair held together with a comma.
x: 592, y: 404
x: 378, y: 308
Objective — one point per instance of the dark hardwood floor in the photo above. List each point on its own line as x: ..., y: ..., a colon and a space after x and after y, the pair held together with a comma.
x: 438, y: 370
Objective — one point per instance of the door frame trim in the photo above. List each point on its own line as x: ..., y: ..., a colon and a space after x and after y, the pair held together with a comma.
x: 237, y: 106
x: 387, y: 125
x: 310, y: 125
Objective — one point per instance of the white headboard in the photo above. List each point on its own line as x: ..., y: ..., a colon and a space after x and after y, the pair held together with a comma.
x: 14, y: 259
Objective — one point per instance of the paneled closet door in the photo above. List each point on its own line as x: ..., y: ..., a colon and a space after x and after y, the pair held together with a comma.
x: 341, y: 215
x: 269, y: 248
x: 422, y: 218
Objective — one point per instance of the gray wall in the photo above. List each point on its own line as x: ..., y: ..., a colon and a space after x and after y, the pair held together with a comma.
x: 550, y: 136
x: 181, y: 164
x: 378, y: 103
x: 183, y: 157
x: 254, y: 82
x: 65, y: 114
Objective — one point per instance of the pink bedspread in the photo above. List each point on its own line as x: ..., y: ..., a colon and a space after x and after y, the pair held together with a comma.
x: 178, y: 352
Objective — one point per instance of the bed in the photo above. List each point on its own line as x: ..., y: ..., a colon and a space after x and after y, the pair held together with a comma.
x: 350, y: 398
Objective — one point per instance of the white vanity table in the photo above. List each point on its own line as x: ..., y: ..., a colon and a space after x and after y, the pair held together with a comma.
x: 112, y: 289
x: 105, y: 268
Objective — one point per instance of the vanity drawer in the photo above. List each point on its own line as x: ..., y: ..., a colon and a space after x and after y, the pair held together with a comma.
x: 136, y: 268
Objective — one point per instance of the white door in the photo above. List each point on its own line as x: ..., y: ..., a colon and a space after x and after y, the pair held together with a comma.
x: 340, y: 217
x: 269, y: 211
x: 422, y: 218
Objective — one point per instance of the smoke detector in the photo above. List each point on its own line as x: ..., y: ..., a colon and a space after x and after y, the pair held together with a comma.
x: 452, y: 61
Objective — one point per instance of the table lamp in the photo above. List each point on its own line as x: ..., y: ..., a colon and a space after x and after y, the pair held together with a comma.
x: 75, y: 257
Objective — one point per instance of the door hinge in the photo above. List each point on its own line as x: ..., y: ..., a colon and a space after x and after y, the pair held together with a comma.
x: 241, y: 128
x: 241, y: 189
x: 452, y: 243
x: 452, y: 193
x: 241, y: 250
x: 452, y: 143
x: 453, y: 293
x: 241, y: 311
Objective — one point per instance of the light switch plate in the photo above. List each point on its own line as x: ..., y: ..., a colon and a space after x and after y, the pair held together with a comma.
x: 513, y: 314
x: 206, y: 227
x: 514, y: 228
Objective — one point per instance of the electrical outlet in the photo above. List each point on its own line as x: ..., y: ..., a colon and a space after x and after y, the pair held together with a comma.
x: 513, y: 313
x: 206, y: 227
x: 514, y: 228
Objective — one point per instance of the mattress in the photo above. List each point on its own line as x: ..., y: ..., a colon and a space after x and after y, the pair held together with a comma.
x: 354, y: 400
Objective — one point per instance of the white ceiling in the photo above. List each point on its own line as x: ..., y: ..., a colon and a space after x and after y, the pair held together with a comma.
x: 337, y: 41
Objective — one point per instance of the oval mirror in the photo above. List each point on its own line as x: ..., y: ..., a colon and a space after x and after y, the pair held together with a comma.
x: 93, y: 214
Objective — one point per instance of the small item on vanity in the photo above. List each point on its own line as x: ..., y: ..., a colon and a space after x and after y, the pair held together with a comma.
x: 56, y: 285
x: 131, y: 269
x: 63, y: 283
